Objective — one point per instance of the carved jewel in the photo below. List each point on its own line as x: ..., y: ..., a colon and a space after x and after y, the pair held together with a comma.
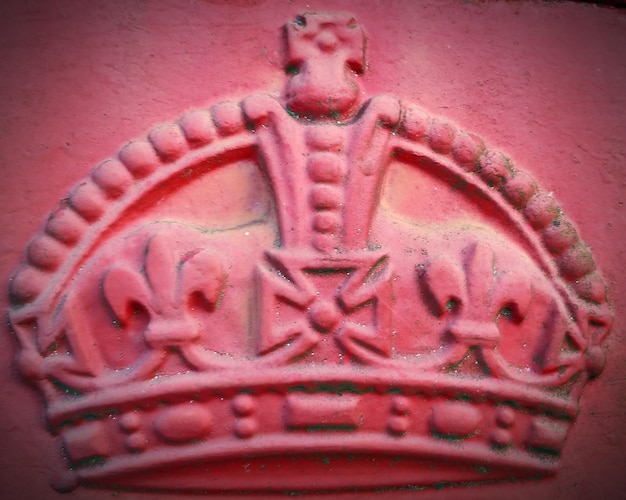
x: 267, y: 280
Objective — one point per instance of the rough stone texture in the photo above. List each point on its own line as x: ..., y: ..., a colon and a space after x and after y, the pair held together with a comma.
x: 543, y: 82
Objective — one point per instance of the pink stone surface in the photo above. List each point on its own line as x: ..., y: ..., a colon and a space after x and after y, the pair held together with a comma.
x: 542, y: 83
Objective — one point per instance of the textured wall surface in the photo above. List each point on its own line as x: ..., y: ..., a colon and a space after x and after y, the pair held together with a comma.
x: 543, y: 82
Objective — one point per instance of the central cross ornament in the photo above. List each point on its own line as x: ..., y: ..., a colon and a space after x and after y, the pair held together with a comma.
x: 324, y: 293
x: 306, y: 298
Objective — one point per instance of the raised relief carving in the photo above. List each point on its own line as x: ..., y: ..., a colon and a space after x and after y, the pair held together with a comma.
x: 265, y: 283
x: 168, y: 291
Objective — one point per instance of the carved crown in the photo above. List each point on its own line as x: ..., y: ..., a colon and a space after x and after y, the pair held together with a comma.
x: 358, y: 286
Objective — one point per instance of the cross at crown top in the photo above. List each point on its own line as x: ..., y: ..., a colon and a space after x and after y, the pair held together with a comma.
x: 325, y: 53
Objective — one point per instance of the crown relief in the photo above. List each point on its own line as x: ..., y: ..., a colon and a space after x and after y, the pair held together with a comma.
x: 298, y: 307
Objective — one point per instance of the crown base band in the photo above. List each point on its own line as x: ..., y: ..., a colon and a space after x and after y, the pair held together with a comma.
x: 218, y: 465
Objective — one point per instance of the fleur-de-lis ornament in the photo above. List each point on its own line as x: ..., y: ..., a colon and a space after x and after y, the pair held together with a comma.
x: 168, y: 289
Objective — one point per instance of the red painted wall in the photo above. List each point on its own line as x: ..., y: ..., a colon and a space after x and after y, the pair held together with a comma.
x: 541, y: 81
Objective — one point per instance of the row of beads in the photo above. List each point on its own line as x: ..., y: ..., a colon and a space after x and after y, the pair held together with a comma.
x: 572, y: 255
x: 327, y: 169
x: 143, y: 429
x: 138, y: 159
x: 460, y: 420
x: 110, y: 180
